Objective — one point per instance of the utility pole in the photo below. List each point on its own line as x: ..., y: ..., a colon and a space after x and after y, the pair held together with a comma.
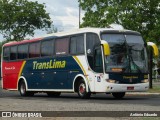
x: 79, y: 13
x: 150, y: 66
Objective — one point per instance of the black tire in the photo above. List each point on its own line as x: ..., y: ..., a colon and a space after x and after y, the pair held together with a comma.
x: 23, y: 91
x: 118, y: 95
x: 53, y: 94
x: 82, y: 90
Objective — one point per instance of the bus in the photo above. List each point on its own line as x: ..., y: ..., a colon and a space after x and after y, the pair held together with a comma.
x: 85, y: 61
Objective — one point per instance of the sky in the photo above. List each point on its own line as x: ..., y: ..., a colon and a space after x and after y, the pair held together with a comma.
x: 63, y: 13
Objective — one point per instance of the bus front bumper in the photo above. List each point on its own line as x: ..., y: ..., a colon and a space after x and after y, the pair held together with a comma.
x: 111, y: 87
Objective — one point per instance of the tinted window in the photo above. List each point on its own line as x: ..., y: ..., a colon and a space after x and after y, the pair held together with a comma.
x: 62, y: 46
x: 22, y: 51
x: 47, y: 48
x: 91, y: 41
x: 13, y: 53
x: 77, y: 45
x: 98, y: 64
x: 6, y: 54
x: 34, y: 50
x: 73, y: 45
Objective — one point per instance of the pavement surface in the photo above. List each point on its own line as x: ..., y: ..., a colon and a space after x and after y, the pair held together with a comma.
x: 12, y: 101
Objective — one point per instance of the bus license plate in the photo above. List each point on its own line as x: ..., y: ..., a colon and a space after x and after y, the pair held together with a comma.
x: 130, y: 88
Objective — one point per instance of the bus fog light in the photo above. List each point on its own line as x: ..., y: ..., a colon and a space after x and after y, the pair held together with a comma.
x: 111, y: 81
x: 146, y: 88
x: 145, y: 81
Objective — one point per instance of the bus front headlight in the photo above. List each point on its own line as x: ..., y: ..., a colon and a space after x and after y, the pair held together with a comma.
x: 111, y: 81
x: 145, y: 81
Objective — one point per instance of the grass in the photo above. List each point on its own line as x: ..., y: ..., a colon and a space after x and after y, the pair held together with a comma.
x: 155, y: 89
x: 150, y: 118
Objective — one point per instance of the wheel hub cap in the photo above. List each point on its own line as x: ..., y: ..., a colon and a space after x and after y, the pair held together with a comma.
x: 82, y: 88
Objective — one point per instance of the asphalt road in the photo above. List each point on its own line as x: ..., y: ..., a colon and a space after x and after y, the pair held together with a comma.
x: 12, y: 101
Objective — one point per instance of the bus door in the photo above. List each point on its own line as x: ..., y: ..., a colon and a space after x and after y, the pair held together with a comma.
x: 54, y: 80
x: 32, y: 75
x: 33, y: 79
x: 47, y: 80
x: 60, y: 79
x: 98, y: 67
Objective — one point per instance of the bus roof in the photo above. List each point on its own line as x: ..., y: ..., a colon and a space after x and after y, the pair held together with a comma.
x: 84, y: 30
x: 21, y: 42
x: 72, y: 32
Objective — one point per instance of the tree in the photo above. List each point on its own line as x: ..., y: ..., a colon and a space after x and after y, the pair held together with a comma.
x: 138, y: 15
x: 1, y: 44
x: 19, y: 18
x: 52, y: 29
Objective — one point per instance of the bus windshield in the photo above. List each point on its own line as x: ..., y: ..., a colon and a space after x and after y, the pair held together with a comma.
x: 128, y: 53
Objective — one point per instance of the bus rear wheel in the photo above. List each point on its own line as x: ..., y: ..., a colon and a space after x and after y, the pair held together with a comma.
x: 53, y: 94
x: 118, y: 95
x: 23, y: 91
x: 82, y: 90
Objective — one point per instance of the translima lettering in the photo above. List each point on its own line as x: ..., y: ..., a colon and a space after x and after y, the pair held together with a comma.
x: 48, y: 65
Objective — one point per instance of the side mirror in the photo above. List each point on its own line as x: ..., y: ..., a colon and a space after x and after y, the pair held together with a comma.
x: 106, y: 48
x: 155, y: 48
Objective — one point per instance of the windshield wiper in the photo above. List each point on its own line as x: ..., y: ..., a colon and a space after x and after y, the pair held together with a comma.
x: 131, y: 58
x: 138, y: 68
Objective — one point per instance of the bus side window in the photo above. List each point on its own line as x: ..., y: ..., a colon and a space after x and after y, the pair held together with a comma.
x: 6, y: 54
x: 91, y: 41
x: 77, y: 45
x: 47, y: 48
x: 13, y: 53
x: 34, y: 50
x: 62, y: 46
x: 23, y: 51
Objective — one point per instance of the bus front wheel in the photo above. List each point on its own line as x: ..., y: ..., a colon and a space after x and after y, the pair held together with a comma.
x: 118, y: 95
x: 82, y: 90
x: 23, y: 91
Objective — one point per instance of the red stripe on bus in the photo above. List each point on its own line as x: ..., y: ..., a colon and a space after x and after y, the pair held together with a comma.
x: 10, y: 74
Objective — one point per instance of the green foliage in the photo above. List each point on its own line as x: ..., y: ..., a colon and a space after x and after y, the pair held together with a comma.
x: 52, y: 29
x: 19, y: 18
x: 138, y: 15
x: 1, y: 44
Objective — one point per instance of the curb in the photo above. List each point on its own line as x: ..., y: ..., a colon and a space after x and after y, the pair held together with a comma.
x: 141, y: 93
